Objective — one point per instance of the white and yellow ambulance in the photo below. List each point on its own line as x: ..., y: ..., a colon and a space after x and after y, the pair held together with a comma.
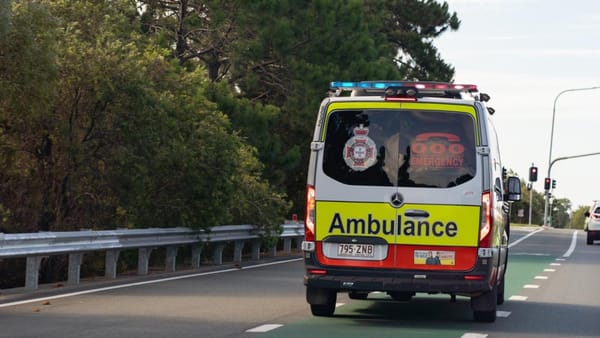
x: 406, y: 193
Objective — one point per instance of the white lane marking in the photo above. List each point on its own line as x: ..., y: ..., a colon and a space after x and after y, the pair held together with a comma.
x: 561, y: 260
x: 264, y: 328
x: 540, y: 277
x: 339, y: 304
x: 531, y: 286
x: 474, y: 335
x: 122, y: 286
x: 503, y: 314
x: 518, y: 298
x: 549, y: 270
x: 573, y: 244
x: 529, y: 254
x: 555, y: 264
x: 524, y: 238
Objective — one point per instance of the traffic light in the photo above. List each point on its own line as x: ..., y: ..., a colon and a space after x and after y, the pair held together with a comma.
x: 547, y: 183
x: 533, y: 171
x: 553, y: 184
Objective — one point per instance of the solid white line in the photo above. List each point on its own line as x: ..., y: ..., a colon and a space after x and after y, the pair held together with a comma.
x: 115, y: 287
x: 573, y: 244
x: 524, y: 237
x: 264, y: 328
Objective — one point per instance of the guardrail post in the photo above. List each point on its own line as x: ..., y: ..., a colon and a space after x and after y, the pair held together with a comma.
x: 32, y: 272
x: 218, y: 254
x: 171, y: 258
x: 74, y: 274
x: 237, y: 251
x: 196, y: 254
x: 143, y: 259
x: 110, y: 264
x: 273, y: 250
x: 256, y: 244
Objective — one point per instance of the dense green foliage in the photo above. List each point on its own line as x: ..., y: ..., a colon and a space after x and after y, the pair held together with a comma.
x: 160, y: 113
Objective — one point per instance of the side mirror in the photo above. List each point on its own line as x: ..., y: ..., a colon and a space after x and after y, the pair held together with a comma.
x: 587, y: 214
x: 514, y: 189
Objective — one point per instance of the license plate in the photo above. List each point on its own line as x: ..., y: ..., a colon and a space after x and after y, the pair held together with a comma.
x: 355, y: 250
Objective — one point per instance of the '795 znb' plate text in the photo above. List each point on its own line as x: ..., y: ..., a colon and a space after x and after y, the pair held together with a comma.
x: 355, y: 250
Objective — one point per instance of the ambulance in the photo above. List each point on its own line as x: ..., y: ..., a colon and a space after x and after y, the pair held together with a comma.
x: 406, y: 194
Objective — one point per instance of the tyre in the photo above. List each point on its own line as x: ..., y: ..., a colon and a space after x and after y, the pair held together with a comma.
x: 323, y: 310
x: 484, y: 306
x: 358, y: 295
x: 322, y: 301
x: 590, y: 239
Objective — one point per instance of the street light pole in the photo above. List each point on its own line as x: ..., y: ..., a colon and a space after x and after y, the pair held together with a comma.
x: 547, y: 197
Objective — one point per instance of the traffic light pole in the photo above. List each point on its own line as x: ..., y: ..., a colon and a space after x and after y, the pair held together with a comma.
x: 546, y: 215
x: 550, y: 162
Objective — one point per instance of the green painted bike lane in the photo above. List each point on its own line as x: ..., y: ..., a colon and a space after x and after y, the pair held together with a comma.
x: 423, y: 316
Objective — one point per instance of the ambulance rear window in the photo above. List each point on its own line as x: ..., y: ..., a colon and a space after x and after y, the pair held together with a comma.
x: 400, y: 148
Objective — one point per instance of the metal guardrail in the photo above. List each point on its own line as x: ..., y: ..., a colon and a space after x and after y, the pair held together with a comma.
x: 35, y: 246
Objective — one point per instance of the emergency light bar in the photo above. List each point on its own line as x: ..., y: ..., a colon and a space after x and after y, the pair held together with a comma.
x: 345, y: 85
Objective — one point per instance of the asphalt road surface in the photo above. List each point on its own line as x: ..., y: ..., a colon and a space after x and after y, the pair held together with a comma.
x: 553, y: 290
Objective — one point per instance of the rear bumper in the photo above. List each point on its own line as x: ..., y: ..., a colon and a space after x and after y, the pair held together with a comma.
x: 469, y: 283
x: 593, y: 234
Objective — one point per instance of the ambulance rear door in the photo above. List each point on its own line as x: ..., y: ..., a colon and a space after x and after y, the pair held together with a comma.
x: 399, y: 186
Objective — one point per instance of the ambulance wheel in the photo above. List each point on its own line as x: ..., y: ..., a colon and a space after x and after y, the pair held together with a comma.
x: 358, y: 295
x: 322, y: 301
x: 484, y: 306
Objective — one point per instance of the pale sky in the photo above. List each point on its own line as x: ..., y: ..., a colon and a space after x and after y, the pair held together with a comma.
x: 523, y: 53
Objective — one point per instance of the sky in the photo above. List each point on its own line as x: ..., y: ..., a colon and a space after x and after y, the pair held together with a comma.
x: 523, y: 53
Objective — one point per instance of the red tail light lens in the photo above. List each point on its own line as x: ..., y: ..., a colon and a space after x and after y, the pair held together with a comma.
x: 487, y: 222
x: 309, y: 220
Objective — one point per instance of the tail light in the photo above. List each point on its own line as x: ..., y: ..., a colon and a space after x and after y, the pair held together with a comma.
x: 487, y: 222
x: 309, y: 220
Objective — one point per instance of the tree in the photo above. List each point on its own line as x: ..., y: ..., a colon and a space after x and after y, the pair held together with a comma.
x: 126, y: 137
x: 28, y: 77
x: 287, y: 60
x: 560, y: 212
x: 578, y: 217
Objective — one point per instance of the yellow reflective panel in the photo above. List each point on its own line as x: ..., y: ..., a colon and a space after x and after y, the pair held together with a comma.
x: 447, y: 225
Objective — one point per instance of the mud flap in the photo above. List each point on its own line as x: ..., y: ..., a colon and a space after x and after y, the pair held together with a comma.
x: 484, y: 306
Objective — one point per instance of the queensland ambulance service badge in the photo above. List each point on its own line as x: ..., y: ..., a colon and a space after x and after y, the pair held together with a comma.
x: 360, y: 151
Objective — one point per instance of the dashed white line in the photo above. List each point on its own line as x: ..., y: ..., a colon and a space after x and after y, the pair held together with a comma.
x: 264, y: 328
x: 474, y: 335
x: 540, y: 277
x: 503, y: 314
x: 549, y: 270
x: 555, y: 264
x: 518, y: 298
x: 531, y: 286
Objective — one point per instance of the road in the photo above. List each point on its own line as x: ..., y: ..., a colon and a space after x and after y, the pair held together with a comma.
x: 552, y: 290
